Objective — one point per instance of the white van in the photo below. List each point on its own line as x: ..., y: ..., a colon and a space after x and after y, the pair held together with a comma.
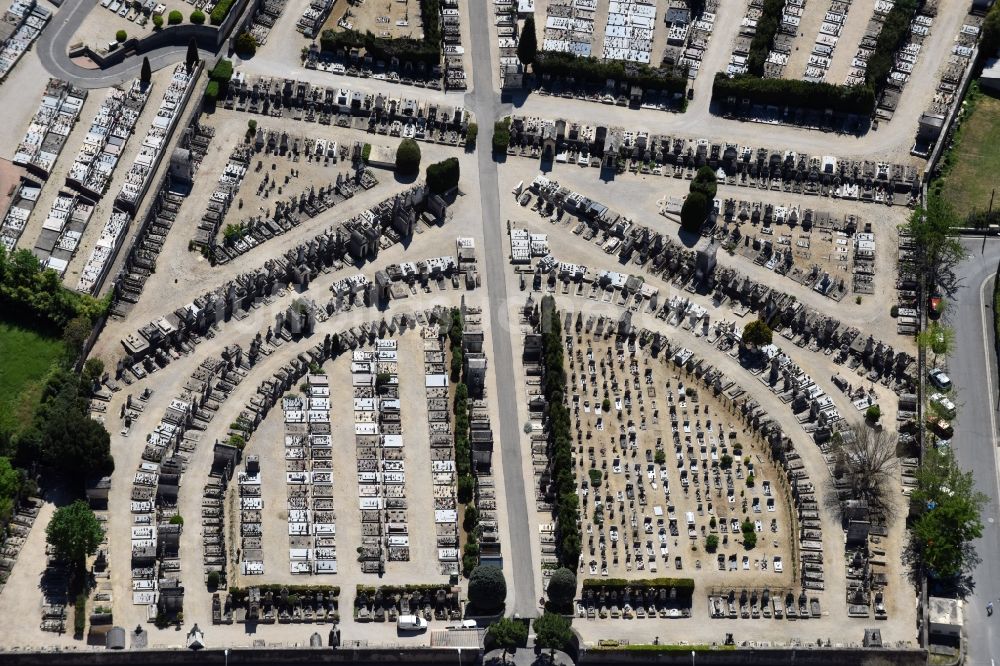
x: 411, y: 623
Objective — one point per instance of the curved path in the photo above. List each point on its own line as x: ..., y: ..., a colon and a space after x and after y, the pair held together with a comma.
x: 53, y: 52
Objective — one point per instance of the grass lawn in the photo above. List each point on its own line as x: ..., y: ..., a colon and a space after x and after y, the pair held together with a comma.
x: 25, y: 359
x: 975, y: 159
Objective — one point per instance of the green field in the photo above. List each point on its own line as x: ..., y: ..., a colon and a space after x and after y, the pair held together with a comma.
x: 25, y: 359
x: 975, y: 160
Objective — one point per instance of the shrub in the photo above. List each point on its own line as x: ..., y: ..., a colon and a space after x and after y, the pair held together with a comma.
x: 177, y: 520
x: 443, y: 176
x: 501, y: 135
x: 606, y: 405
x: 220, y: 11
x: 726, y: 462
x: 245, y: 44
x: 158, y: 21
x: 750, y: 481
x: 121, y: 36
x: 466, y: 487
x: 562, y: 589
x: 693, y: 212
x: 408, y: 157
x: 757, y: 333
x: 366, y: 152
x: 223, y: 71
x: 471, y: 134
x: 174, y: 17
x: 711, y: 543
x: 763, y: 38
x: 596, y: 478
x: 660, y: 457
x: 213, y: 580
x: 197, y: 17
x: 873, y: 413
x: 471, y: 518
x: 80, y: 615
x: 212, y: 91
x: 487, y: 588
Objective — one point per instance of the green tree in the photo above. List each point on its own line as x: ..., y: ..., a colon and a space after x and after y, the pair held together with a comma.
x: 936, y: 248
x: 527, y: 43
x: 245, y: 45
x: 501, y: 135
x: 562, y: 589
x: 408, y: 157
x: 873, y: 413
x: 705, y: 182
x: 553, y: 632
x: 509, y: 634
x: 487, y: 588
x: 146, y: 73
x: 191, y: 59
x: 937, y: 338
x: 711, y: 543
x: 949, y: 516
x: 694, y: 212
x: 75, y: 335
x: 382, y: 380
x: 757, y: 334
x: 10, y: 486
x: 443, y: 176
x: 74, y: 533
x: 93, y: 370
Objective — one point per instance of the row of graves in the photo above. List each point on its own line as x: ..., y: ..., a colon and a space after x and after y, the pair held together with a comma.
x: 641, y: 152
x: 821, y: 55
x: 138, y: 12
x: 481, y: 439
x: 905, y: 60
x: 312, y: 520
x: 907, y: 285
x: 302, y: 100
x: 697, y: 272
x: 23, y: 517
x: 251, y: 519
x: 354, y: 62
x: 381, y: 460
x: 50, y: 127
x: 453, y: 51
x: 62, y: 230
x: 505, y: 15
x: 947, y: 94
x: 110, y: 130
x: 156, y: 530
x: 22, y: 23
x: 288, y: 214
x: 443, y: 472
x: 687, y: 35
x: 782, y: 39
x: 157, y: 138
x: 96, y: 268
x: 265, y: 15
x: 628, y: 35
x: 313, y: 17
x: 273, y: 603
x: 16, y: 217
x: 354, y: 241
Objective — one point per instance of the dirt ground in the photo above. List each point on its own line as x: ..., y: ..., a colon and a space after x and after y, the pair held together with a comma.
x: 380, y: 17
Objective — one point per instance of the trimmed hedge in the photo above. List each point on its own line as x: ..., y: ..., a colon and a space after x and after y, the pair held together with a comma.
x: 763, y: 39
x: 795, y: 93
x: 239, y: 594
x: 597, y: 72
x: 220, y: 11
x: 895, y: 31
x: 427, y: 50
x: 197, y: 17
x: 560, y: 444
x: 443, y: 176
x: 175, y: 17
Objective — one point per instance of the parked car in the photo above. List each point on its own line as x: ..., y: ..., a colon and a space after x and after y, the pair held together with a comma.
x: 942, y: 402
x: 939, y: 379
x: 411, y: 623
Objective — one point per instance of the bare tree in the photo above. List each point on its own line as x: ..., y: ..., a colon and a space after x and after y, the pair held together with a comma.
x: 865, y: 471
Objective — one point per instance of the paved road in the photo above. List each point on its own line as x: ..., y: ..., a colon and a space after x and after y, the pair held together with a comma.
x: 53, y: 49
x: 486, y: 104
x: 973, y: 368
